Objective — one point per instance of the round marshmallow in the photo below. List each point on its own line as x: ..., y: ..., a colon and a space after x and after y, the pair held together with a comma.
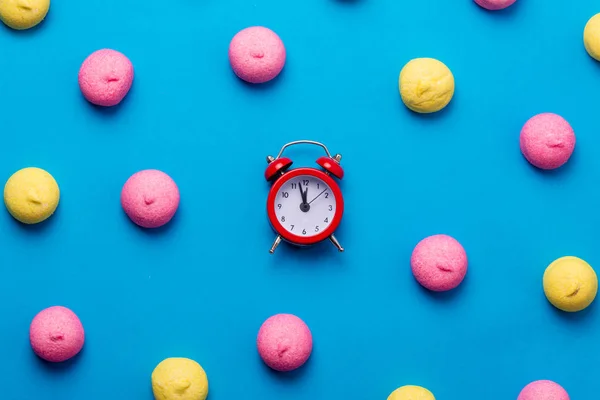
x: 105, y: 77
x: 31, y: 195
x: 256, y: 54
x: 411, y: 392
x: 495, y: 4
x: 179, y: 378
x: 20, y: 14
x: 439, y: 263
x: 543, y: 390
x: 547, y: 141
x: 150, y: 198
x: 591, y: 37
x: 56, y: 334
x: 570, y: 284
x: 426, y: 85
x: 284, y: 342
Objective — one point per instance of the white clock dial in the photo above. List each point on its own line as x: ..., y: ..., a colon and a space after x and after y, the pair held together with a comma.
x: 305, y: 205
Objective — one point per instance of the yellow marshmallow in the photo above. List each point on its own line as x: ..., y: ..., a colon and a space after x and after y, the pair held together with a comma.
x: 31, y: 195
x: 591, y: 37
x: 410, y: 392
x: 570, y: 284
x: 179, y: 379
x: 426, y: 85
x: 23, y: 14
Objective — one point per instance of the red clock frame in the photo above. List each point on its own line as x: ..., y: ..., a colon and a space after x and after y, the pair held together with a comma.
x: 305, y: 240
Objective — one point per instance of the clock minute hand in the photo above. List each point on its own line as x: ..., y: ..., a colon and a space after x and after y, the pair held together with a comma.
x: 318, y: 195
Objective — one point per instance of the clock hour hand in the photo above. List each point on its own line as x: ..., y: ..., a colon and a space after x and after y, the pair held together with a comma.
x: 304, y: 206
x: 301, y: 191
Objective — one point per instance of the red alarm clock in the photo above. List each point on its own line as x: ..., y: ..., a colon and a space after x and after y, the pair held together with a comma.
x: 305, y: 205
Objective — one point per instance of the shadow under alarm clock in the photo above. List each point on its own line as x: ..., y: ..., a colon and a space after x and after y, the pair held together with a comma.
x: 305, y: 205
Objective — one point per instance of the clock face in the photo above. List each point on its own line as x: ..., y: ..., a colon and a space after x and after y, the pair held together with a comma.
x: 305, y: 205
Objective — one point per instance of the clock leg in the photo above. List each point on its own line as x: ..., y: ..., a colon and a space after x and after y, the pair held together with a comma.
x: 336, y: 243
x: 275, y: 244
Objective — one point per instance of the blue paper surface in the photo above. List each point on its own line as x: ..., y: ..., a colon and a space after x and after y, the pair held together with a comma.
x: 202, y: 286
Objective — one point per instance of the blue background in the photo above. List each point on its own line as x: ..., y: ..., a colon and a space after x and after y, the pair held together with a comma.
x: 202, y: 286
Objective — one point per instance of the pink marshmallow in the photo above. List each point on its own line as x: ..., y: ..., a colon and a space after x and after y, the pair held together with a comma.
x: 150, y: 198
x: 543, y: 390
x: 105, y: 77
x: 284, y: 342
x: 495, y: 4
x: 439, y: 263
x: 56, y: 334
x: 547, y: 141
x: 256, y: 54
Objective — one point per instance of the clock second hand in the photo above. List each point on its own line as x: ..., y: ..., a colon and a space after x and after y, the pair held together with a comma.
x: 318, y: 196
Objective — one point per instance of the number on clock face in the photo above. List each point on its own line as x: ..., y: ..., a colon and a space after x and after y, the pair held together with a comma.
x: 305, y: 205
